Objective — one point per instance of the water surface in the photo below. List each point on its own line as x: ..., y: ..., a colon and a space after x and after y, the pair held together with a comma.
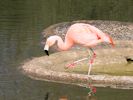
x: 22, y: 21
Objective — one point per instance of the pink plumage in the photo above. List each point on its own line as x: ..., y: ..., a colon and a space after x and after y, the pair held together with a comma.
x: 79, y: 33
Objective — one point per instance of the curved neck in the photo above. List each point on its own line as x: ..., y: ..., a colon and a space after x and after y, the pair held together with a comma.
x: 63, y: 45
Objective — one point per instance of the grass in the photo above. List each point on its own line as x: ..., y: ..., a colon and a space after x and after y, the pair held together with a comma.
x: 112, y: 69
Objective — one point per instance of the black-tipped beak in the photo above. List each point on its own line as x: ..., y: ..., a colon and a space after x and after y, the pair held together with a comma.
x: 47, y: 53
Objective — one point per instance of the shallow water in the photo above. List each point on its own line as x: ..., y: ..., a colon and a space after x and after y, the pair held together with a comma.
x: 22, y: 21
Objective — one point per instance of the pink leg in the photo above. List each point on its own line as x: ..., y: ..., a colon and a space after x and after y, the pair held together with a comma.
x: 91, y: 61
x: 93, y: 56
x: 71, y: 65
x: 75, y: 62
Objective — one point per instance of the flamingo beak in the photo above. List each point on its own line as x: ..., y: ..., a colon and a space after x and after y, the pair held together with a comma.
x: 47, y: 53
x: 46, y: 48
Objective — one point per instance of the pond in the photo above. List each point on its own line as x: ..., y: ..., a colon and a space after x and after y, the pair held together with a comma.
x: 22, y: 21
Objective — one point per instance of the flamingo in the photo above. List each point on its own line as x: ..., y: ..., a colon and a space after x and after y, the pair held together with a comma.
x: 79, y: 33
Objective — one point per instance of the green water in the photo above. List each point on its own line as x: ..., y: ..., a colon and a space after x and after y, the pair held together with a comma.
x: 22, y: 21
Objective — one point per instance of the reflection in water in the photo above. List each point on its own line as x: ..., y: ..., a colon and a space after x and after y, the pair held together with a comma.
x: 21, y: 21
x: 46, y: 96
x: 91, y: 98
x: 63, y: 98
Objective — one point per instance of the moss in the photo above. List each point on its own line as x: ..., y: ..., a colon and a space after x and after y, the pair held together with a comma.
x: 121, y: 69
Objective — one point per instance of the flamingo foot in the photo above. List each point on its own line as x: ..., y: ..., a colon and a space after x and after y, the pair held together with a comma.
x: 71, y: 65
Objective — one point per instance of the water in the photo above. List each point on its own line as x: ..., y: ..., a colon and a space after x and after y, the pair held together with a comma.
x: 22, y: 21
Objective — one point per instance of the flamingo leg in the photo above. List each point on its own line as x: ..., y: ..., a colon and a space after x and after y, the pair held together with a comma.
x: 91, y: 88
x: 76, y: 62
x: 91, y: 61
x: 83, y: 59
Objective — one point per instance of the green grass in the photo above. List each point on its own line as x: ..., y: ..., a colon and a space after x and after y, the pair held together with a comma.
x: 112, y: 69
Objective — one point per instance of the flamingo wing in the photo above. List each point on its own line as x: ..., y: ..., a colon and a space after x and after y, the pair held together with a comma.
x: 80, y: 34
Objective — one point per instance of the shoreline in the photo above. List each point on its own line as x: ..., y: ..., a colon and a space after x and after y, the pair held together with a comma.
x: 120, y: 82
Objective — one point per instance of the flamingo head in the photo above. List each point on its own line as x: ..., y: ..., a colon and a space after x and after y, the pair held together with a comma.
x: 50, y: 41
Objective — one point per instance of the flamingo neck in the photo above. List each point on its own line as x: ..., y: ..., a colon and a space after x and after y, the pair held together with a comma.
x: 63, y: 45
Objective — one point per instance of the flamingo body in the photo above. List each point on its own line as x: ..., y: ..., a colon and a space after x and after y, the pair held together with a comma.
x: 79, y: 33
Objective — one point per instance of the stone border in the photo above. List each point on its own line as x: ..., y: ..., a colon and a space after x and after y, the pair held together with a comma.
x: 123, y: 82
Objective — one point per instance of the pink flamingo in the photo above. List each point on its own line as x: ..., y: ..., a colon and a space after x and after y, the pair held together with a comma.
x: 82, y: 34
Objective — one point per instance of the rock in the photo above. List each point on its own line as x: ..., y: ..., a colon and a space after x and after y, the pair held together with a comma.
x: 52, y: 68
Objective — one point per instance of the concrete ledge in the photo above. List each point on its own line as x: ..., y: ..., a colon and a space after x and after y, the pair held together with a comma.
x: 123, y: 82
